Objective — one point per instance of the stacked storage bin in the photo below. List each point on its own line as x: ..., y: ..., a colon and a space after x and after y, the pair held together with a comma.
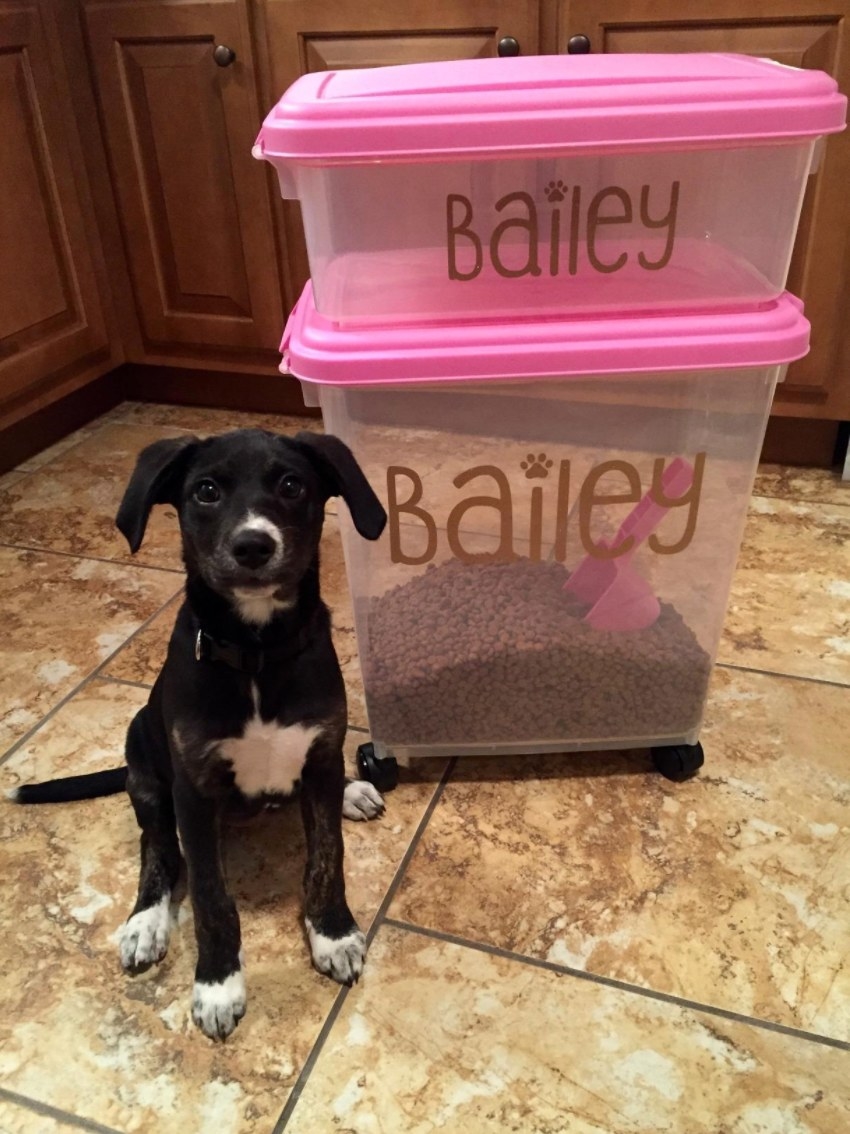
x: 547, y: 314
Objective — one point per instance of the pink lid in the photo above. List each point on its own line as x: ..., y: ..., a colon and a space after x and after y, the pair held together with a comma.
x: 317, y: 350
x: 546, y: 103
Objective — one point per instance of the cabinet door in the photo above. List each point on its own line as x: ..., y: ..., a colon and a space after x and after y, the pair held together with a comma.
x: 305, y: 36
x: 802, y: 35
x: 194, y: 205
x: 51, y: 319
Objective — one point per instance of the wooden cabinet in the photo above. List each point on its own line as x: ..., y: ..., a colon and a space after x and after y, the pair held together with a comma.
x: 302, y: 36
x: 134, y: 223
x: 802, y: 33
x: 53, y: 332
x: 195, y: 207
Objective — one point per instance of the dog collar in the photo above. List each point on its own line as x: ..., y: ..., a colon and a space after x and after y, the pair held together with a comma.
x: 244, y: 660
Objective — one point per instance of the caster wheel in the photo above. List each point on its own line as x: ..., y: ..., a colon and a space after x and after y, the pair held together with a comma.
x: 382, y: 772
x: 678, y: 762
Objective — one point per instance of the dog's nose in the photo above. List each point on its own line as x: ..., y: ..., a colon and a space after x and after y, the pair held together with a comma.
x: 253, y: 549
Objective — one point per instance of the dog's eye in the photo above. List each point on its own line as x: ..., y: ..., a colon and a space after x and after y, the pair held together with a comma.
x: 206, y: 492
x: 290, y: 486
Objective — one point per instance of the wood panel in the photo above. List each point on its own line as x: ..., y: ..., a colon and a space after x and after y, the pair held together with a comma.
x: 802, y: 35
x: 51, y: 319
x: 194, y: 204
x: 304, y: 36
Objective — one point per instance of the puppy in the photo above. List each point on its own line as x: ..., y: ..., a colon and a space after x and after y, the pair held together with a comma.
x: 250, y: 700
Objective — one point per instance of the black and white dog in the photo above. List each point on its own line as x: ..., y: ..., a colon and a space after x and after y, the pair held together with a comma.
x: 249, y: 702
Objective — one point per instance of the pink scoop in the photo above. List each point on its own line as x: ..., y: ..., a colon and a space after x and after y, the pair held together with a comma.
x: 620, y: 598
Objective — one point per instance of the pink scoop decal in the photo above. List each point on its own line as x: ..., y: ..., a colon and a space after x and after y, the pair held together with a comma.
x: 620, y: 598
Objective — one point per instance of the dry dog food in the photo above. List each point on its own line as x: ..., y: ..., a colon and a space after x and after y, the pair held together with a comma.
x: 477, y: 654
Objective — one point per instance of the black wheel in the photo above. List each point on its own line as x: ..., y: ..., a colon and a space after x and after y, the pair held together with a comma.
x: 678, y: 762
x: 382, y: 772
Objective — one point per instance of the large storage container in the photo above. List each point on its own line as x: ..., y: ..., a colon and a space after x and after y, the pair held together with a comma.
x: 566, y: 501
x: 533, y: 186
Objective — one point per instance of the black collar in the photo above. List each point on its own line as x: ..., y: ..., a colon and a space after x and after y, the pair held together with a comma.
x: 251, y: 660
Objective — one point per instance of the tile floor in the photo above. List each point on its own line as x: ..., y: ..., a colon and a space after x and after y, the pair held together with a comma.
x: 558, y: 944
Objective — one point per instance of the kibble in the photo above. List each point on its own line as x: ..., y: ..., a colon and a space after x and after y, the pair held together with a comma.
x: 498, y: 653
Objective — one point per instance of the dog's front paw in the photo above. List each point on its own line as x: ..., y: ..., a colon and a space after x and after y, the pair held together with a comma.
x: 340, y: 958
x: 218, y: 1007
x: 143, y: 939
x: 362, y: 801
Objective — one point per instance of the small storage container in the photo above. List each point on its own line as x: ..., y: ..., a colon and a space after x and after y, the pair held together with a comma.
x: 566, y: 501
x: 540, y: 186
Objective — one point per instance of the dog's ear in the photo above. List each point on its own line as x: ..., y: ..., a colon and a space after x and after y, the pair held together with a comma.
x: 343, y: 477
x: 157, y: 479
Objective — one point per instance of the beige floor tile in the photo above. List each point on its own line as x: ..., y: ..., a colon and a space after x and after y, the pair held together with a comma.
x: 64, y: 445
x: 823, y: 486
x: 730, y: 889
x: 17, y: 1118
x: 11, y: 477
x: 439, y: 1037
x: 75, y: 1033
x: 198, y: 419
x: 337, y: 595
x: 51, y: 452
x: 142, y: 658
x: 789, y: 611
x: 70, y: 503
x: 62, y: 618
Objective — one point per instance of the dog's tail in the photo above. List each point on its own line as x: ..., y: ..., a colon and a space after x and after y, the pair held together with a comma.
x: 91, y: 786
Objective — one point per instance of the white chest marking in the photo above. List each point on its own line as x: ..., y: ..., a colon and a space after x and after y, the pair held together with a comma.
x: 258, y: 605
x: 267, y: 757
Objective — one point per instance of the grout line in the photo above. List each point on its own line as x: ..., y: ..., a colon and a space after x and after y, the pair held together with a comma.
x: 358, y: 728
x: 788, y: 676
x: 92, y: 558
x: 380, y: 916
x: 800, y: 500
x: 310, y: 1062
x: 377, y: 921
x: 125, y: 681
x: 620, y: 985
x: 82, y: 684
x: 47, y: 1111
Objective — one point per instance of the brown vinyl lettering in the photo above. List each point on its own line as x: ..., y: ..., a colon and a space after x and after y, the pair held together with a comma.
x: 691, y: 498
x: 589, y: 498
x: 395, y: 509
x: 503, y: 504
x: 529, y: 224
x: 668, y: 222
x: 594, y: 220
x: 455, y: 229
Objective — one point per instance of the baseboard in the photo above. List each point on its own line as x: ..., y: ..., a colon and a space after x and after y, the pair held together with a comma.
x: 791, y: 441
x: 800, y: 441
x: 46, y: 426
x: 256, y: 393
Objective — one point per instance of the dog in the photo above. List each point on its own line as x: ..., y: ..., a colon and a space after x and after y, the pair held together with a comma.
x: 249, y: 703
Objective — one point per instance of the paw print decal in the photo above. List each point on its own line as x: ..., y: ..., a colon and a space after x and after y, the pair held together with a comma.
x: 536, y: 466
x: 555, y: 191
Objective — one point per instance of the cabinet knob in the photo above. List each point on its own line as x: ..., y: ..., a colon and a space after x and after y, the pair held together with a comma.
x: 224, y: 55
x: 578, y: 45
x: 508, y: 46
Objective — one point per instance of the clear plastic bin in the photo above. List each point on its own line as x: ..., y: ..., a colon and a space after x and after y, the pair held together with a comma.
x: 564, y: 519
x: 540, y: 186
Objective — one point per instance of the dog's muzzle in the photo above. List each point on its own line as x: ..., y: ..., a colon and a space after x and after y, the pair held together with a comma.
x: 252, y: 549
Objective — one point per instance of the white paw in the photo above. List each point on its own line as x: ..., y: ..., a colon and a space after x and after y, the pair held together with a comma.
x: 143, y: 939
x: 218, y: 1008
x: 362, y: 801
x: 340, y: 958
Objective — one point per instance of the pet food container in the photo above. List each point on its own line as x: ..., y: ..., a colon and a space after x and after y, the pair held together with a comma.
x: 534, y: 186
x: 566, y: 501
